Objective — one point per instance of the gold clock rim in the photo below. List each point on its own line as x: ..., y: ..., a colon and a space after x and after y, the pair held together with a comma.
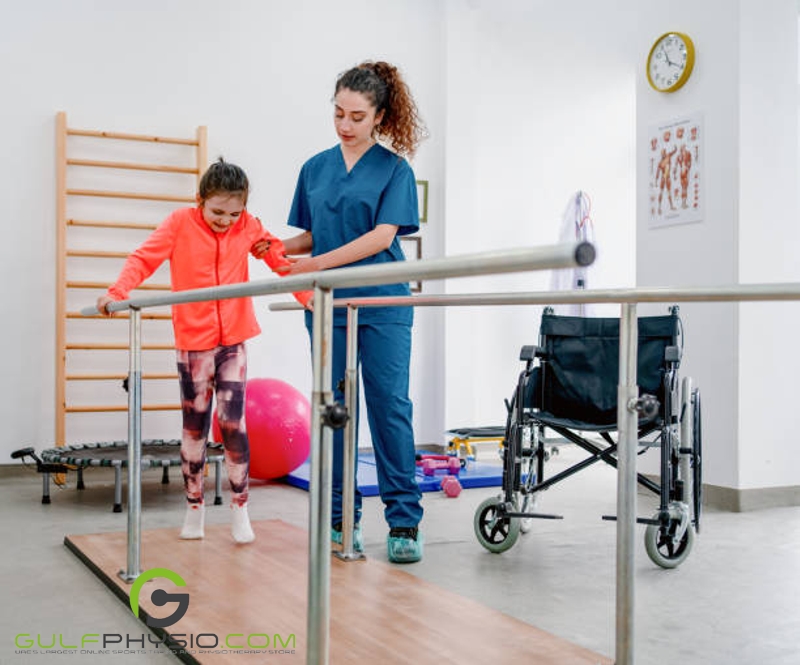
x: 689, y: 61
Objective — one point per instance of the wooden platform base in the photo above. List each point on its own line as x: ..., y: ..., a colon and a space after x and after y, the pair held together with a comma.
x: 257, y: 593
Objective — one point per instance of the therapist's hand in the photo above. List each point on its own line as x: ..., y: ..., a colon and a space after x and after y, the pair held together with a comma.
x: 303, y: 265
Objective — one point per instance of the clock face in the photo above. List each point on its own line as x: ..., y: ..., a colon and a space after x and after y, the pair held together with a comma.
x: 670, y: 62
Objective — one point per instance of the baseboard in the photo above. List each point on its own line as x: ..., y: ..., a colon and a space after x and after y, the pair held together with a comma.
x: 745, y: 500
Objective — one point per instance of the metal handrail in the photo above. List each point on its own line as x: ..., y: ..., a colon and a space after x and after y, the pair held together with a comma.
x: 727, y: 293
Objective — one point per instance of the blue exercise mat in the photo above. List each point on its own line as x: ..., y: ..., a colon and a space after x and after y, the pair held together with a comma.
x: 474, y: 474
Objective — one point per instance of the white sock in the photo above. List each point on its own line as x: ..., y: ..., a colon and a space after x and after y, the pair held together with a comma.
x: 240, y: 525
x: 193, y: 522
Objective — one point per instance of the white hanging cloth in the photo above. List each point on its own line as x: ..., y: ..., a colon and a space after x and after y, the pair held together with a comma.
x: 576, y: 226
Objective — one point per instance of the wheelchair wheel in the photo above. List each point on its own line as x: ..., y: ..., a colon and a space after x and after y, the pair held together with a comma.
x: 659, y: 541
x: 494, y: 531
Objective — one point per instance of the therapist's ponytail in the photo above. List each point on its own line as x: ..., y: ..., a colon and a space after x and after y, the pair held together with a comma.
x: 401, y: 127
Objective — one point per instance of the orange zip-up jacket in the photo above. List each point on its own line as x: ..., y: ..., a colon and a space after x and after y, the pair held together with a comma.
x: 201, y: 258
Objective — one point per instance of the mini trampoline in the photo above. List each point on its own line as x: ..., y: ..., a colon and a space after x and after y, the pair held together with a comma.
x: 156, y: 453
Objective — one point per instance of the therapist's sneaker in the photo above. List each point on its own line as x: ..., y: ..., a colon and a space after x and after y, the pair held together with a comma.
x: 358, y: 539
x: 404, y: 544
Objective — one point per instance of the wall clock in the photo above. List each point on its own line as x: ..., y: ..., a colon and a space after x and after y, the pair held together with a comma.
x: 670, y: 61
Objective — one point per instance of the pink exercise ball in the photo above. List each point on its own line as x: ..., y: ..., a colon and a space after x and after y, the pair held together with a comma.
x: 278, y: 418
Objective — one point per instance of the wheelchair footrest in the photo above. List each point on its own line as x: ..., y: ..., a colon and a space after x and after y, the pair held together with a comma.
x: 639, y: 520
x: 541, y: 516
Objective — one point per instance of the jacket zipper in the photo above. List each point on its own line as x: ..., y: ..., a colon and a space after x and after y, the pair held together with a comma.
x: 217, y: 302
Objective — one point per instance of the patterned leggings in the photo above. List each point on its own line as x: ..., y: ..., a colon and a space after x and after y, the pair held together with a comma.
x: 223, y: 369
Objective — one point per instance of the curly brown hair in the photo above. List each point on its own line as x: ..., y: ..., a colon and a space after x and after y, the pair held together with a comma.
x: 401, y: 126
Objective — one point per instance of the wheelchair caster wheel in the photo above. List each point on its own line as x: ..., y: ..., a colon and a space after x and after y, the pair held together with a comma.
x: 664, y: 548
x: 494, y: 531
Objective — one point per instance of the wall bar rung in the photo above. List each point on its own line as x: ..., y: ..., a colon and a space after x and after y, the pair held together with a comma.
x: 97, y: 255
x: 116, y: 377
x: 121, y: 407
x: 159, y: 317
x: 131, y: 195
x: 130, y: 137
x: 105, y: 285
x: 132, y: 166
x: 111, y: 225
x: 113, y: 347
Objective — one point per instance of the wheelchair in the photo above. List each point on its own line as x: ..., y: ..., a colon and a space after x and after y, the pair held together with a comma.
x: 569, y: 386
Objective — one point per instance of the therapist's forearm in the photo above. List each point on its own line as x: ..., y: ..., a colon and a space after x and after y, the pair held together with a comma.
x: 299, y: 244
x: 372, y: 242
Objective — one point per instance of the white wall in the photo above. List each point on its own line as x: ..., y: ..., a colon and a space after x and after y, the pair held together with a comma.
x: 736, y: 354
x: 538, y: 107
x: 703, y: 253
x: 769, y: 237
x: 260, y: 75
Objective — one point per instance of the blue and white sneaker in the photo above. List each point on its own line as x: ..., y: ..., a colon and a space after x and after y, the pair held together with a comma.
x: 404, y: 544
x: 358, y: 539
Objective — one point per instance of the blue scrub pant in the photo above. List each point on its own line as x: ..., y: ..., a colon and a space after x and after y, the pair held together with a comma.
x: 384, y: 353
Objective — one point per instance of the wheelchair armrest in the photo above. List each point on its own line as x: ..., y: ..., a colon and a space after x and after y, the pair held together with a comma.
x: 672, y: 354
x: 529, y: 352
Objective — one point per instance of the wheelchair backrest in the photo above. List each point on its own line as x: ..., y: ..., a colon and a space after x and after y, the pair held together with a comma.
x: 579, y: 377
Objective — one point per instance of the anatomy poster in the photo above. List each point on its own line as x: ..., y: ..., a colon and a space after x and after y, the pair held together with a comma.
x: 675, y: 158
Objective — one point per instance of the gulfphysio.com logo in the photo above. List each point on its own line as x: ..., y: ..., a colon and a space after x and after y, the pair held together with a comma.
x: 179, y: 643
x: 160, y: 597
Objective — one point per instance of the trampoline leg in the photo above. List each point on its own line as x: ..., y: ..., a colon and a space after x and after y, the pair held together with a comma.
x: 117, y: 489
x: 165, y: 474
x: 218, y: 482
x: 45, y: 488
x: 80, y: 484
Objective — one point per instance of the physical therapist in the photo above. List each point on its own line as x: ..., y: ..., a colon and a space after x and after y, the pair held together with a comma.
x: 352, y: 202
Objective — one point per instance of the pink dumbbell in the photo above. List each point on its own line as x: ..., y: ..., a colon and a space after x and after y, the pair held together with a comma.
x: 430, y: 464
x: 451, y: 486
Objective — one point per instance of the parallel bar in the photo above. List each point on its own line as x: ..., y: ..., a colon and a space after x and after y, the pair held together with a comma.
x: 130, y: 195
x: 132, y: 166
x: 727, y: 293
x: 484, y: 263
x: 627, y: 421
x: 130, y: 137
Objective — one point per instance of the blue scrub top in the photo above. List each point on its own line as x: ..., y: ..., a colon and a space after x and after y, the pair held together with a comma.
x: 338, y: 206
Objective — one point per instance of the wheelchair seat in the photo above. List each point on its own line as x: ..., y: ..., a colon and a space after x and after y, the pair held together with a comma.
x: 569, y: 385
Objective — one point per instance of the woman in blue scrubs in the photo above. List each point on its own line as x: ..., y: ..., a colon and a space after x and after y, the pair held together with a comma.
x: 352, y: 202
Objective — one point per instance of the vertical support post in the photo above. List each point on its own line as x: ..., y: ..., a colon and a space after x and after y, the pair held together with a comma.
x: 348, y: 552
x: 320, y: 481
x: 627, y: 420
x: 202, y: 152
x: 61, y: 271
x: 134, y: 448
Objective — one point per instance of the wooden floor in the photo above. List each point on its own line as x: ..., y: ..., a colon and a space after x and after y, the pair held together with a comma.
x: 379, y: 612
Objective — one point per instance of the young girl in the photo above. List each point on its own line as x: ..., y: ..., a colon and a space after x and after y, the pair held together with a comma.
x: 352, y: 201
x: 208, y: 246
